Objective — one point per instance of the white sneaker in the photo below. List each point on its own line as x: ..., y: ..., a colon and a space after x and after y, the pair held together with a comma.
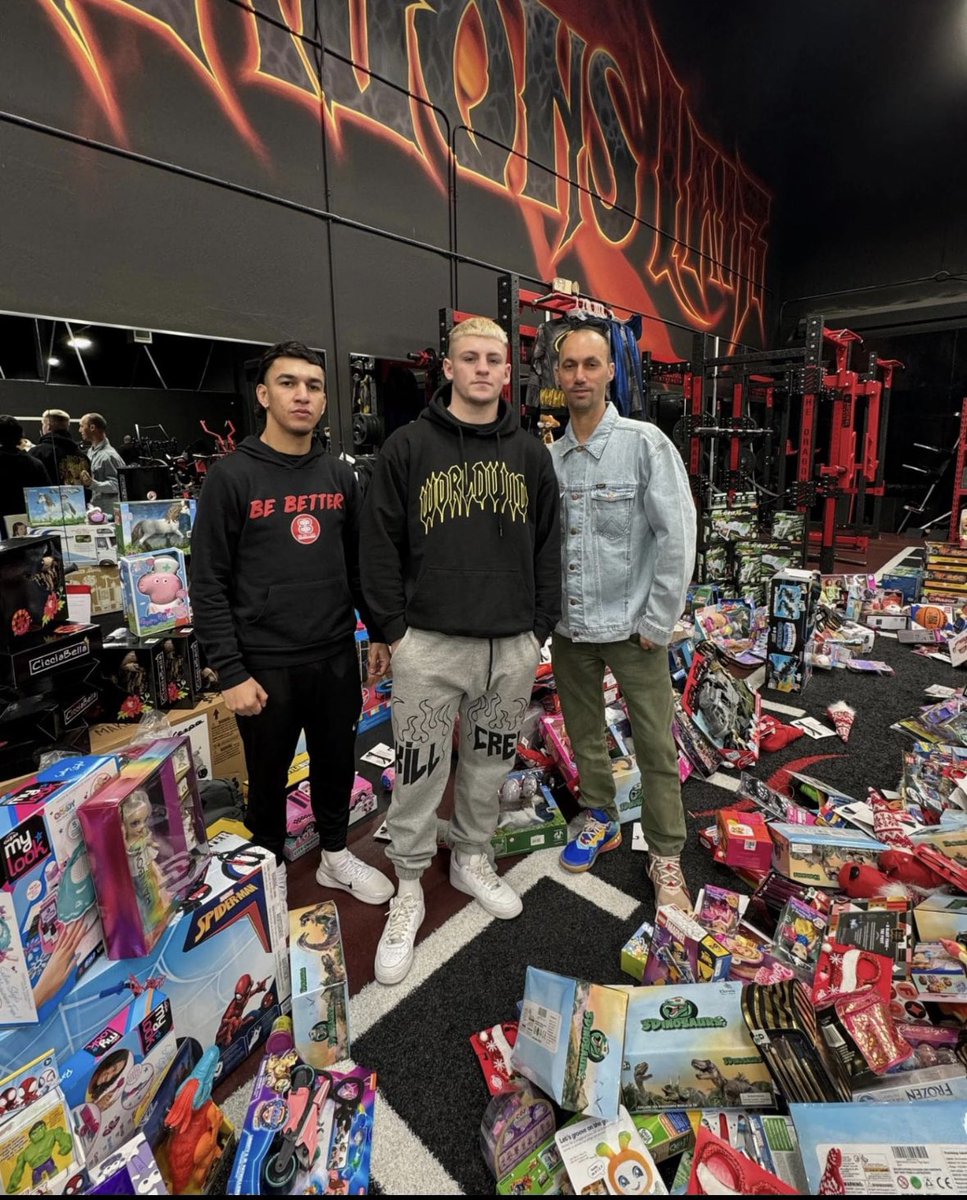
x: 477, y: 878
x: 351, y: 875
x: 394, y: 954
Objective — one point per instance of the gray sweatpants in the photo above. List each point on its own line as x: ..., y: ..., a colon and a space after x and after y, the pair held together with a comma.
x: 488, y: 681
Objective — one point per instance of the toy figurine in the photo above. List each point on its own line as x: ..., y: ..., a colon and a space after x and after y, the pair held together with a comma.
x: 629, y: 1172
x: 232, y: 1018
x: 194, y: 1121
x: 547, y: 424
x: 38, y: 1154
x: 153, y: 898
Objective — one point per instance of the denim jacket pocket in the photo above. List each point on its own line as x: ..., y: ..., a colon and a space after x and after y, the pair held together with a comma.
x: 611, y: 509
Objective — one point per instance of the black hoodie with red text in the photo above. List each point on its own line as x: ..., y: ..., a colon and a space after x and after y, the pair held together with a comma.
x: 275, y: 560
x: 460, y: 532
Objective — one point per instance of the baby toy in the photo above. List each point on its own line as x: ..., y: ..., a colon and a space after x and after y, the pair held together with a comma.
x: 629, y: 1173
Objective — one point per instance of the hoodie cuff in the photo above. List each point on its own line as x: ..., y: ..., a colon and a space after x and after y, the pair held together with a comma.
x: 394, y: 629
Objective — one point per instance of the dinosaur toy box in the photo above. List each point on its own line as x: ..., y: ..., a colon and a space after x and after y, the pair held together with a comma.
x: 815, y: 854
x: 687, y: 1046
x: 110, y: 1082
x: 223, y: 958
x: 154, y: 591
x: 320, y: 990
x: 47, y: 895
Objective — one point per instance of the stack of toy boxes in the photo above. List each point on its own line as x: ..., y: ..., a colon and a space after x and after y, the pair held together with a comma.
x: 320, y: 990
x: 48, y: 669
x: 146, y: 837
x: 946, y: 571
x: 46, y: 890
x: 793, y: 596
x: 224, y: 959
x: 154, y: 591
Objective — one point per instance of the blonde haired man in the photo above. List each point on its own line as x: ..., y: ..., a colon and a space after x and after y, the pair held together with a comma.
x: 460, y: 562
x: 63, y: 459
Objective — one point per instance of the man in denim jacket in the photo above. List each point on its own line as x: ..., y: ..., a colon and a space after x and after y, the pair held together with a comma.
x: 628, y: 549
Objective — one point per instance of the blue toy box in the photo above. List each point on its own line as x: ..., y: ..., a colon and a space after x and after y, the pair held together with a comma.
x: 223, y: 959
x: 46, y: 890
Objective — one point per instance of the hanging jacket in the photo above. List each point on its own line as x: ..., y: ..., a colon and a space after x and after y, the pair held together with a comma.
x: 460, y: 529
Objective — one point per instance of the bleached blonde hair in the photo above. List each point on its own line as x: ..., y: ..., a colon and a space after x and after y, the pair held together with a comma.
x: 476, y: 327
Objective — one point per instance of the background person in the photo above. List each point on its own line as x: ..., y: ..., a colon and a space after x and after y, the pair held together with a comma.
x: 105, y: 460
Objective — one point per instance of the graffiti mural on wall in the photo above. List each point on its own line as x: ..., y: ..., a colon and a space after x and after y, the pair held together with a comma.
x: 570, y: 111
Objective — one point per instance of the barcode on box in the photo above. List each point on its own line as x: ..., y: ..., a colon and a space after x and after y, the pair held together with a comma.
x: 914, y: 1152
x: 540, y: 1024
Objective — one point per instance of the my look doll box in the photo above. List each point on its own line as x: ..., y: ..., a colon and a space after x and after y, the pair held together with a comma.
x: 146, y: 836
x: 154, y: 591
x: 47, y: 896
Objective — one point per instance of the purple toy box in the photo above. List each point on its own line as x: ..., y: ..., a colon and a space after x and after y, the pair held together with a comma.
x: 146, y: 839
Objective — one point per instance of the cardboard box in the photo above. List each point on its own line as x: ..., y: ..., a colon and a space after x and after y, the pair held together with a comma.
x: 105, y: 588
x: 569, y: 1041
x: 154, y: 592
x: 320, y: 990
x: 541, y: 1173
x: 46, y: 886
x: 154, y: 525
x: 682, y: 951
x: 814, y: 854
x: 634, y: 953
x: 689, y: 1047
x: 744, y: 840
x: 940, y: 916
x: 528, y: 817
x: 665, y: 1134
x: 51, y: 1176
x: 224, y: 958
x: 793, y: 597
x: 145, y: 833
x: 182, y: 657
x: 33, y: 596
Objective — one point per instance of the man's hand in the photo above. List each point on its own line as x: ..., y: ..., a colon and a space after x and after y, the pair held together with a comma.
x: 377, y: 663
x: 246, y: 699
x: 645, y: 644
x: 86, y: 478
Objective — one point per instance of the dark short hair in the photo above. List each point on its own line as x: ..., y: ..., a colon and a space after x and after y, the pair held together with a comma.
x: 11, y: 431
x: 286, y: 350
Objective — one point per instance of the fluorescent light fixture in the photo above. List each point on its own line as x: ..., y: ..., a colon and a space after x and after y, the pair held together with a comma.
x: 79, y: 342
x: 53, y: 362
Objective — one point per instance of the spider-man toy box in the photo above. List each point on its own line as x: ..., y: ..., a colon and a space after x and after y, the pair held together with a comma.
x: 50, y: 931
x: 223, y: 959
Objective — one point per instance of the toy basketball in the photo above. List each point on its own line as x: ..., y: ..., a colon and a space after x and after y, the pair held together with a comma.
x: 930, y: 616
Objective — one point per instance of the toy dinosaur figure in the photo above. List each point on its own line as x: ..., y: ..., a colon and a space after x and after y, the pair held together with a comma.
x: 194, y: 1122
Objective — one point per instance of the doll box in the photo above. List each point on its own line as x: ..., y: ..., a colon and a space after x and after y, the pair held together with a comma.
x: 320, y: 990
x: 135, y: 677
x: 569, y: 1041
x: 147, y: 841
x: 33, y: 595
x: 110, y: 1082
x: 154, y: 591
x: 224, y: 958
x: 558, y: 746
x: 46, y: 890
x: 689, y: 1047
x: 814, y: 854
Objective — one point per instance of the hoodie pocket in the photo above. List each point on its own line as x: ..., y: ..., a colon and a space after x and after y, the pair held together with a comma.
x: 302, y: 614
x: 476, y: 603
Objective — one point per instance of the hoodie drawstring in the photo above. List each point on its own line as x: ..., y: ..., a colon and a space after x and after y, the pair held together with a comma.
x: 500, y: 518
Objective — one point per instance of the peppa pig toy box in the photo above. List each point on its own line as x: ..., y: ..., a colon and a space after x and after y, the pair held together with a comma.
x: 154, y: 591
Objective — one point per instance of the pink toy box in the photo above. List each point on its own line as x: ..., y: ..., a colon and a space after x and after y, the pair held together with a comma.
x: 154, y: 591
x: 146, y: 838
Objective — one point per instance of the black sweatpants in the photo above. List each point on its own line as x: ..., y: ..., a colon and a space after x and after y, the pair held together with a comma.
x: 324, y: 698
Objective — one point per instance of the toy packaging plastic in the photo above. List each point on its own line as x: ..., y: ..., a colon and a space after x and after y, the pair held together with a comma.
x: 493, y: 1048
x: 146, y: 834
x: 320, y: 989
x: 569, y: 1041
x: 154, y: 590
x: 46, y: 889
x: 718, y: 1168
x: 515, y: 1121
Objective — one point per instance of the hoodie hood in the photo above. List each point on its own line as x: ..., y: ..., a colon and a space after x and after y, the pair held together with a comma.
x: 256, y: 448
x: 438, y: 411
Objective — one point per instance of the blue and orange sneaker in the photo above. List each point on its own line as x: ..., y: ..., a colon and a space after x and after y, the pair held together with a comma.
x: 599, y: 834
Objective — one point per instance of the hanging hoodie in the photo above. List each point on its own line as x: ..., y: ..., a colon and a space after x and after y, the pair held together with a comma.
x: 460, y: 529
x: 275, y: 561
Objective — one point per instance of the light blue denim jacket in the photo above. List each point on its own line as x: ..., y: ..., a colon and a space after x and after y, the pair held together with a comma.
x: 627, y: 532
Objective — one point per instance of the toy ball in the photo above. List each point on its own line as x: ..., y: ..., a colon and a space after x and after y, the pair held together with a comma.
x: 931, y: 617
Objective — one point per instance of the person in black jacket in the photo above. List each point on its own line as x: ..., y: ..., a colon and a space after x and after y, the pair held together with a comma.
x: 461, y: 567
x: 17, y: 471
x: 64, y: 460
x: 274, y: 578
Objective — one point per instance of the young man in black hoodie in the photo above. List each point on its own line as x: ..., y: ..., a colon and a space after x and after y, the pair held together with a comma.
x: 461, y: 568
x: 63, y: 459
x: 274, y: 577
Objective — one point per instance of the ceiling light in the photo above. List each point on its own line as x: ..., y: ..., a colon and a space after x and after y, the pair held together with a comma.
x: 53, y: 362
x: 79, y: 342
